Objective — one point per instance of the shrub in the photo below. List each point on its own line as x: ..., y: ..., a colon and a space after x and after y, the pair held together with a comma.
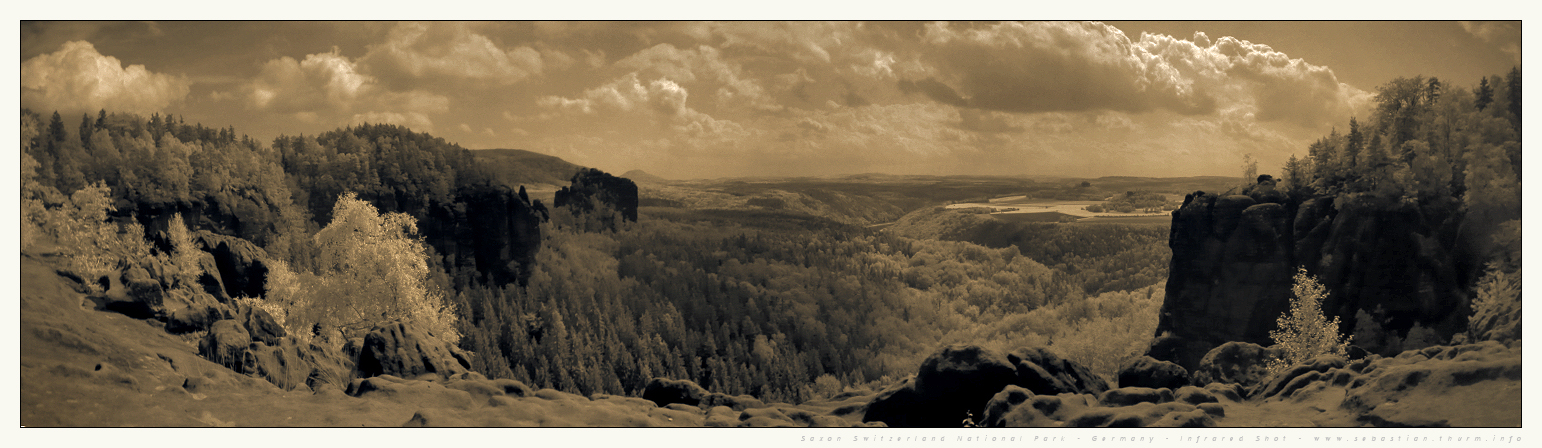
x: 1304, y: 333
x: 184, y: 254
x: 90, y: 244
x: 1116, y: 330
x: 1496, y: 307
x: 827, y: 386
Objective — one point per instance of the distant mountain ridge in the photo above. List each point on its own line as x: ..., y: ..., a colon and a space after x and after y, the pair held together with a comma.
x: 643, y: 176
x: 518, y: 167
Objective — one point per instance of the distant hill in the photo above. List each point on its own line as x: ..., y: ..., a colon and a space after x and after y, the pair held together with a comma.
x: 643, y: 176
x: 516, y: 167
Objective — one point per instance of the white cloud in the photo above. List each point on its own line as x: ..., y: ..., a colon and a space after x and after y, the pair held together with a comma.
x: 328, y: 86
x: 1080, y: 66
x: 704, y: 67
x: 452, y: 50
x: 77, y: 77
x: 322, y: 80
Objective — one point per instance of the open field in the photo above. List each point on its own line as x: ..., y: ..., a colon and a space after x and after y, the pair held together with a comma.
x: 1024, y: 209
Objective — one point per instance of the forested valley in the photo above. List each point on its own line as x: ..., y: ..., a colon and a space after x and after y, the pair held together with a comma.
x: 775, y: 304
x: 592, y: 294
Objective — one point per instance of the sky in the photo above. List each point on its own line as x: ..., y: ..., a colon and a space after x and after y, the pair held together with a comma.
x: 686, y: 100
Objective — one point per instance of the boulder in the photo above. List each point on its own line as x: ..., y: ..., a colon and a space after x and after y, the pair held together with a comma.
x: 242, y: 265
x: 141, y: 295
x: 1005, y: 402
x: 1241, y: 363
x: 1016, y: 407
x: 1045, y: 373
x: 1149, y: 372
x: 1289, y: 380
x: 954, y: 382
x: 964, y: 377
x: 1194, y: 395
x: 403, y: 350
x: 721, y: 417
x: 188, y: 311
x: 208, y: 278
x: 1127, y: 396
x: 664, y: 391
x: 225, y: 344
x: 280, y: 364
x: 260, y: 324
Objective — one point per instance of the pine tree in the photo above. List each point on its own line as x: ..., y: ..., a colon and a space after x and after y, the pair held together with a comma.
x: 85, y: 131
x: 1485, y: 94
x: 1514, y: 94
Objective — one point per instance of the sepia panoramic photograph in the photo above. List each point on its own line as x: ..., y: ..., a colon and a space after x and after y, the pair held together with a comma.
x: 771, y: 224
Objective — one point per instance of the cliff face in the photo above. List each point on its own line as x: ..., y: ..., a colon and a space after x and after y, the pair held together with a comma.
x: 488, y: 228
x: 1234, y: 256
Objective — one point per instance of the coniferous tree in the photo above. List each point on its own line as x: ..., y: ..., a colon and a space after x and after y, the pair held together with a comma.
x: 85, y: 131
x: 1514, y: 95
x: 1485, y: 94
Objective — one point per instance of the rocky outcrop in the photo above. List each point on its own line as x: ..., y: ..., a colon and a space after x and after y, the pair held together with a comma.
x: 489, y: 228
x: 1126, y: 407
x: 594, y: 186
x: 1286, y: 382
x: 261, y: 325
x: 225, y: 343
x: 249, y: 345
x: 1045, y: 373
x: 1234, y: 258
x: 403, y: 350
x: 664, y: 392
x: 188, y: 311
x: 1238, y: 363
x: 1149, y: 372
x: 958, y: 381
x: 1462, y: 385
x: 242, y: 265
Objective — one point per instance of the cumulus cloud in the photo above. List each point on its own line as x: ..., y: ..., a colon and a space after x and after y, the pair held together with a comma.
x: 704, y: 66
x: 329, y: 85
x: 626, y: 94
x: 1078, y: 66
x: 77, y: 77
x: 452, y: 50
x: 1253, y: 78
x: 1049, y: 66
x: 322, y: 80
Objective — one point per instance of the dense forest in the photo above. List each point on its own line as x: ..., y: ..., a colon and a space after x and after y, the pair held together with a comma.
x: 788, y: 299
x: 1094, y: 258
x: 771, y: 302
x: 1429, y: 146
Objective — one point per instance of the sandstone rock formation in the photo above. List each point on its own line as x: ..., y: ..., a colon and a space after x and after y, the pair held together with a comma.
x: 592, y: 184
x: 1234, y: 362
x: 1149, y: 372
x: 1233, y: 259
x: 959, y: 381
x: 242, y: 267
x: 405, y: 351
